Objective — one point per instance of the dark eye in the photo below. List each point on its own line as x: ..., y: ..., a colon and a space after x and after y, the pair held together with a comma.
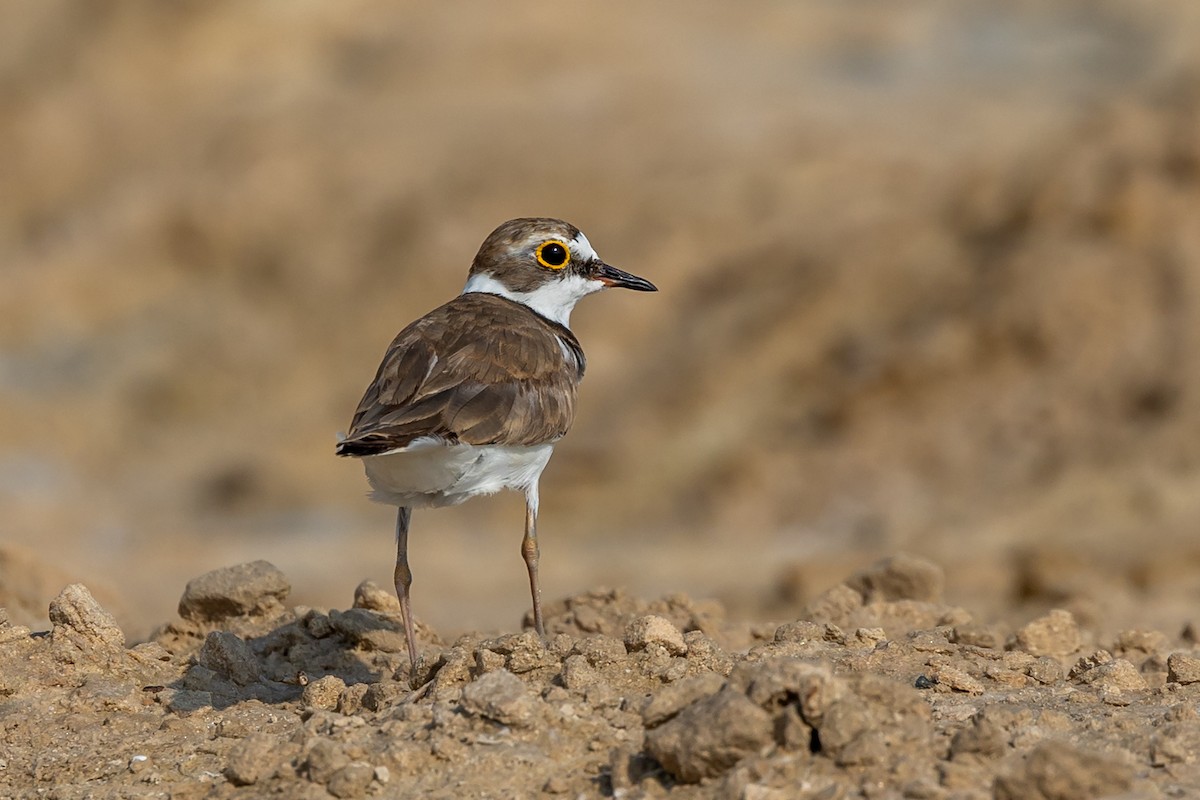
x: 553, y: 254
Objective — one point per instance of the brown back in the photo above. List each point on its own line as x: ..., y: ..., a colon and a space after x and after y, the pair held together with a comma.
x: 480, y: 369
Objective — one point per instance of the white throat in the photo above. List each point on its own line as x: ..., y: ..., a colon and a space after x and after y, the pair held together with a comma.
x: 553, y: 299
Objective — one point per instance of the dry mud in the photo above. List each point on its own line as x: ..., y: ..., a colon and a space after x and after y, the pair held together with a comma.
x: 879, y: 689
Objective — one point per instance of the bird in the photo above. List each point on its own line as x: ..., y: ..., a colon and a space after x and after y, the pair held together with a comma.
x: 471, y: 398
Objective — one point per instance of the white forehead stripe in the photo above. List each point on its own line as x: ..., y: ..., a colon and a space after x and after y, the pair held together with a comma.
x: 583, y: 248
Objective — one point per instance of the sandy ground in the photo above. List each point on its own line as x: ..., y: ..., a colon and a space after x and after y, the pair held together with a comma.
x: 880, y: 689
x: 930, y: 284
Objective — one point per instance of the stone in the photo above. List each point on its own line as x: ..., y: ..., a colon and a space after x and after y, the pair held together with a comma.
x: 250, y: 760
x: 324, y: 759
x: 369, y: 630
x: 1056, y: 770
x: 710, y: 736
x: 1183, y: 668
x: 227, y: 655
x: 257, y: 588
x: 654, y: 630
x: 80, y: 621
x: 372, y: 597
x: 324, y: 693
x: 502, y: 697
x: 351, y: 780
x: 900, y: 577
x: 670, y: 700
x: 1055, y: 634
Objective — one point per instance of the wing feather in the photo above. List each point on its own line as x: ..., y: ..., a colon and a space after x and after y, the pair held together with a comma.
x: 479, y: 370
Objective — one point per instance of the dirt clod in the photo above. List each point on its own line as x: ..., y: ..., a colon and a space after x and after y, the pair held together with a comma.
x: 80, y: 622
x: 250, y: 761
x: 1058, y: 771
x: 901, y: 577
x: 710, y: 736
x: 257, y: 588
x: 324, y: 693
x: 228, y: 656
x: 1183, y: 668
x: 654, y: 630
x: 502, y: 697
x: 1055, y: 634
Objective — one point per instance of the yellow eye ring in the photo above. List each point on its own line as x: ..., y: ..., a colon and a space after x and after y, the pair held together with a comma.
x: 553, y: 254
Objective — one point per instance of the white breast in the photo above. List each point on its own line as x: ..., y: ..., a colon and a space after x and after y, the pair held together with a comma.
x: 428, y: 473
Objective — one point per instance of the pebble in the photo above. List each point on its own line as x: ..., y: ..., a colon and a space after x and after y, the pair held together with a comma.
x: 227, y: 655
x: 1058, y: 771
x: 1183, y: 668
x: 901, y: 577
x: 1055, y: 634
x: 956, y: 679
x: 250, y: 760
x: 710, y: 736
x: 651, y: 629
x: 256, y: 588
x: 502, y: 697
x: 79, y: 620
x: 324, y: 693
x: 324, y: 759
x: 368, y: 630
x: 370, y: 596
x: 351, y: 780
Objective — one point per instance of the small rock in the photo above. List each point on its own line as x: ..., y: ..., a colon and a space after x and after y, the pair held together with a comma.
x: 800, y: 632
x: 324, y: 759
x: 601, y: 651
x: 578, y: 675
x: 835, y: 605
x: 324, y: 693
x: 1183, y: 668
x: 1107, y: 673
x: 317, y: 624
x: 1146, y: 643
x: 257, y: 588
x: 80, y: 621
x: 351, y: 780
x: 781, y: 682
x: 977, y: 635
x: 955, y: 679
x: 227, y: 655
x: 185, y: 701
x: 710, y: 736
x: 11, y: 633
x: 369, y: 630
x: 370, y: 596
x: 652, y: 629
x: 1175, y: 743
x: 250, y: 760
x: 500, y: 696
x: 382, y: 774
x: 985, y: 736
x: 670, y: 700
x: 379, y: 696
x: 901, y: 577
x: 1057, y: 771
x: 1055, y: 634
x: 351, y: 699
x: 1044, y: 670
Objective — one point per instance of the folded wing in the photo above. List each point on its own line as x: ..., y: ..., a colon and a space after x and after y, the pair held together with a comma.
x: 479, y: 370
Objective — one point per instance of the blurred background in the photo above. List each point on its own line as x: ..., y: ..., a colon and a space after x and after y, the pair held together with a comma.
x: 929, y: 275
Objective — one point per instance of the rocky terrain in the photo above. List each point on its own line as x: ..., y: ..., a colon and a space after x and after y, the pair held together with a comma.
x: 930, y: 284
x: 878, y: 690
